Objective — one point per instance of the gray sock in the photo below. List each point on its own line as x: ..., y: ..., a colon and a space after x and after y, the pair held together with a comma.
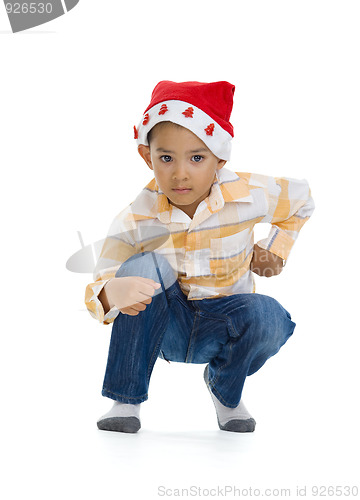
x: 122, y: 417
x: 230, y: 419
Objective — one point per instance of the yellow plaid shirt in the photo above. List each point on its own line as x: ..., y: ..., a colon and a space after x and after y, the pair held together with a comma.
x: 210, y: 253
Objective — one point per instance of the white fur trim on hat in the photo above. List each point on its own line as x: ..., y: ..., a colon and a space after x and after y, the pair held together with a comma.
x: 189, y: 116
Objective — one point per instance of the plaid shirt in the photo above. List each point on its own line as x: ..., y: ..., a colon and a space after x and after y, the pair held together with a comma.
x: 210, y: 253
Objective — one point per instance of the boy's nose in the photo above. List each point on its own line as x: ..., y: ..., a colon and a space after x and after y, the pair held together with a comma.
x: 180, y: 171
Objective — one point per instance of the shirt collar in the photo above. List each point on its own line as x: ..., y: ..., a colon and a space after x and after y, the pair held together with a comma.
x: 152, y: 203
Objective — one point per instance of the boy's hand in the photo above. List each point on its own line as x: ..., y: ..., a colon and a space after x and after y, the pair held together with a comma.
x: 265, y: 263
x: 130, y: 294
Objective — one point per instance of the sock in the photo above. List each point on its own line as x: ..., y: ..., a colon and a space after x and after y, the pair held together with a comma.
x: 122, y: 417
x: 231, y: 419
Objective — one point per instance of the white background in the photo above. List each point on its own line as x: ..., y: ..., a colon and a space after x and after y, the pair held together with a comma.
x: 71, y: 91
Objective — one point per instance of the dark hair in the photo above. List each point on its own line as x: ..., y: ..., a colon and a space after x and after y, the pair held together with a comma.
x: 158, y: 126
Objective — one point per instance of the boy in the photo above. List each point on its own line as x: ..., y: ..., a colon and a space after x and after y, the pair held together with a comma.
x: 175, y: 274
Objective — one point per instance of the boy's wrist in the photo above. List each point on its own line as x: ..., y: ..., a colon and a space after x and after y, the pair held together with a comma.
x: 105, y: 298
x: 108, y: 292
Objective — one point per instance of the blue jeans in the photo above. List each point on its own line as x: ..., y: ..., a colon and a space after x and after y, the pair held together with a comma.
x: 234, y: 334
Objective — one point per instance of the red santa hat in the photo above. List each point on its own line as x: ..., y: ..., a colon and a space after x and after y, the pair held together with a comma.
x: 203, y: 108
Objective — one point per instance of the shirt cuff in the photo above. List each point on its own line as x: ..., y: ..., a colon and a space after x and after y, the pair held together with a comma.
x: 111, y: 315
x: 278, y: 242
x: 97, y: 310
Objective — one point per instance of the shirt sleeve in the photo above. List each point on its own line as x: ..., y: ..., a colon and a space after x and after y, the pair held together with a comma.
x: 290, y: 206
x: 118, y: 246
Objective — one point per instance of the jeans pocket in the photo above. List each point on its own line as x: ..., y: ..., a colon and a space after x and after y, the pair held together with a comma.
x: 232, y: 331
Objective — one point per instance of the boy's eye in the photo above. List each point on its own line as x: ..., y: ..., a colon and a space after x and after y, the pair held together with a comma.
x: 197, y: 158
x: 165, y: 158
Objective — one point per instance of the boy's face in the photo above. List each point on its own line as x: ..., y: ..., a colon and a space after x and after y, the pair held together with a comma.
x: 180, y: 159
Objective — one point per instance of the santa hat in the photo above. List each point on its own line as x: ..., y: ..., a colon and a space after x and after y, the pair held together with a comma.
x: 203, y: 108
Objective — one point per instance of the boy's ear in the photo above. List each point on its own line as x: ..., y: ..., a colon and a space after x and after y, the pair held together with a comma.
x: 144, y: 152
x: 221, y: 163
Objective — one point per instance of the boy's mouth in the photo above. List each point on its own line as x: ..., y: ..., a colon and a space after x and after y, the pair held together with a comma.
x: 182, y: 190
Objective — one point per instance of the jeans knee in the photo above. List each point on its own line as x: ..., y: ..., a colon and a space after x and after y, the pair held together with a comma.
x: 275, y: 320
x: 264, y: 319
x: 148, y: 265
